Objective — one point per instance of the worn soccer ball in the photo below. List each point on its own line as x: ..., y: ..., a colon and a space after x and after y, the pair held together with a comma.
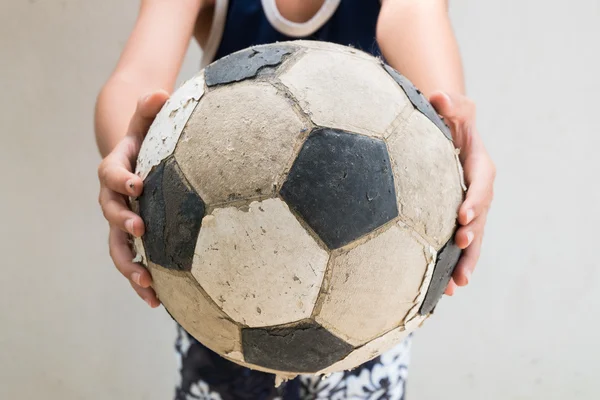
x: 300, y: 201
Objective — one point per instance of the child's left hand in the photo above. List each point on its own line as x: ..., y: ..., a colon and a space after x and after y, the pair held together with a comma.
x: 459, y: 113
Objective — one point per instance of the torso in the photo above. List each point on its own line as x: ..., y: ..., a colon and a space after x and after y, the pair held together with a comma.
x: 227, y: 26
x: 293, y: 10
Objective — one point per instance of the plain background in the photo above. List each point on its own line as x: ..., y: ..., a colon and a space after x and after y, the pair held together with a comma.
x: 527, y: 327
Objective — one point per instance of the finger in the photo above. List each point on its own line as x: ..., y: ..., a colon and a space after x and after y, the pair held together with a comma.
x: 147, y: 294
x: 450, y: 288
x: 465, y: 235
x: 442, y: 103
x: 466, y: 264
x: 147, y: 108
x: 117, y: 213
x: 453, y: 108
x: 117, y: 176
x: 479, y: 194
x: 122, y: 256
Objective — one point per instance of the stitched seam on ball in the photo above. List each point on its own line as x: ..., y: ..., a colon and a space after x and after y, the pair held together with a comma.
x: 305, y: 225
x: 289, y: 61
x: 324, y: 288
x: 401, y: 217
x: 280, y: 87
x: 401, y: 120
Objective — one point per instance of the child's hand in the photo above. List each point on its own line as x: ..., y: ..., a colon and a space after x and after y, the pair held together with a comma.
x: 117, y: 181
x: 480, y: 172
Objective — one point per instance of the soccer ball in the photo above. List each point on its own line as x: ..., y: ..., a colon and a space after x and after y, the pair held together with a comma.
x: 300, y: 200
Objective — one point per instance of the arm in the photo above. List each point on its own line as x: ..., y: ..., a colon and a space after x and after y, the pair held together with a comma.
x: 150, y: 61
x: 416, y: 38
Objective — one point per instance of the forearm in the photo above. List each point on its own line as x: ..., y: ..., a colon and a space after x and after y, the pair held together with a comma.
x: 416, y: 38
x: 150, y: 61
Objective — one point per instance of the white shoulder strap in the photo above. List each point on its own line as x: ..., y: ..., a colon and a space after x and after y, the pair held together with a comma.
x: 295, y: 29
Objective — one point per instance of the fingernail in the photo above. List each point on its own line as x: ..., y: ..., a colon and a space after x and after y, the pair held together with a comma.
x: 149, y: 302
x: 470, y: 215
x: 146, y: 97
x: 470, y: 236
x: 131, y: 186
x: 448, y: 98
x: 136, y: 278
x: 129, y: 226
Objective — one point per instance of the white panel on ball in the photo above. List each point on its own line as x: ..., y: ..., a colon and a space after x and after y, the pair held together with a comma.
x: 259, y: 264
x: 168, y: 125
x: 185, y: 301
x: 358, y: 96
x: 237, y: 146
x: 420, y: 153
x: 389, y: 270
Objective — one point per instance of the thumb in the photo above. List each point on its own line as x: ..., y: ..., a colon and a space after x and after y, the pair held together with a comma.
x: 442, y: 103
x: 479, y: 176
x: 147, y: 108
x: 453, y: 108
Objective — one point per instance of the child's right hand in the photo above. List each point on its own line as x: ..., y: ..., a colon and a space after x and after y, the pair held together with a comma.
x: 117, y: 181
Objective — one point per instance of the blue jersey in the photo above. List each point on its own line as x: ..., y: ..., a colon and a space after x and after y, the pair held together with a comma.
x: 238, y: 24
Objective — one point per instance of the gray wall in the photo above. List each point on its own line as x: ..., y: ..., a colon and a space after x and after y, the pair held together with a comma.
x: 526, y: 328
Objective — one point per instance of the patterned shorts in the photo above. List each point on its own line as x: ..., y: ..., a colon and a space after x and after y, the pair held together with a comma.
x: 207, y: 376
